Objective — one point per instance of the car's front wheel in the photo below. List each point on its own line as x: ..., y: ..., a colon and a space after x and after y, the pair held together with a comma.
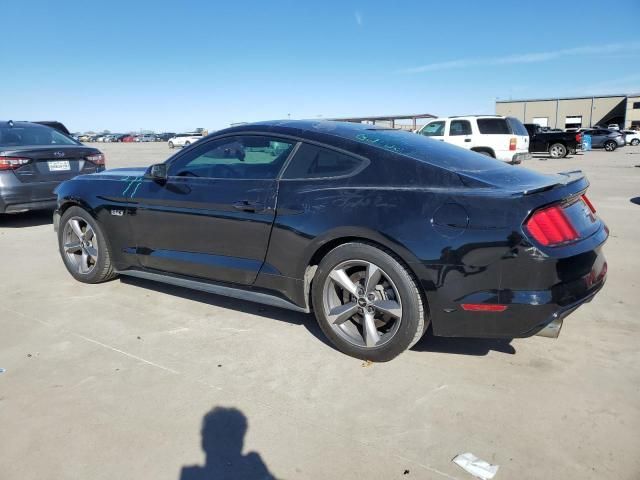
x: 171, y: 145
x: 610, y: 146
x: 635, y: 142
x: 367, y: 302
x: 83, y: 247
x: 557, y: 150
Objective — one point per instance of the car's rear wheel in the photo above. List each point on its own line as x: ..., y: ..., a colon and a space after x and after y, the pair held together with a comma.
x: 83, y: 247
x: 171, y: 145
x: 186, y: 144
x: 367, y: 302
x: 610, y: 145
x: 557, y: 150
x: 635, y: 142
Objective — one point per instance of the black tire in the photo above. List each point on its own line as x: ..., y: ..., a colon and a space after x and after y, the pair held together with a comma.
x: 103, y: 267
x: 187, y: 143
x: 558, y: 150
x: 413, y: 321
x: 610, y: 145
x: 171, y: 145
x: 635, y: 142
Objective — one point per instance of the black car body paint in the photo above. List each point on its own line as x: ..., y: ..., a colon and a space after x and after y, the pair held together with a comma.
x: 453, y: 216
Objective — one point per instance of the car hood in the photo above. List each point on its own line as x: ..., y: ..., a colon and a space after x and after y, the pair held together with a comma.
x: 117, y: 173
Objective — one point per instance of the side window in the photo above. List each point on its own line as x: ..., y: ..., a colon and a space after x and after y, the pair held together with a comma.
x: 460, y: 127
x: 248, y: 157
x: 433, y: 129
x: 493, y: 126
x: 311, y: 161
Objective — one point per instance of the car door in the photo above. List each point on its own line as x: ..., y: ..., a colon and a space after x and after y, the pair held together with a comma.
x: 212, y: 218
x: 597, y: 138
x: 459, y: 133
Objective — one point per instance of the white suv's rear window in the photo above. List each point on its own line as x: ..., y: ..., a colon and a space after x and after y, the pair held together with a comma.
x: 493, y: 126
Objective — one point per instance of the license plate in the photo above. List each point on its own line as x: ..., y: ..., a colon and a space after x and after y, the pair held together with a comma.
x: 59, y: 166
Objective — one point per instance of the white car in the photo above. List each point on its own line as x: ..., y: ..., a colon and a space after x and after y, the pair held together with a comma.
x: 146, y: 138
x: 632, y: 137
x: 184, y: 139
x: 614, y: 126
x: 504, y: 138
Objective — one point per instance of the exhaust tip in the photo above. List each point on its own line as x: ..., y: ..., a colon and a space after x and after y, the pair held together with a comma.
x: 552, y: 329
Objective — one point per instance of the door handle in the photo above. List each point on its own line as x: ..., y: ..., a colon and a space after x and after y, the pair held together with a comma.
x: 247, y: 206
x: 467, y: 139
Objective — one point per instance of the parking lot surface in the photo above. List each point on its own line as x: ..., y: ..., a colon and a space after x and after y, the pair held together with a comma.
x: 114, y: 380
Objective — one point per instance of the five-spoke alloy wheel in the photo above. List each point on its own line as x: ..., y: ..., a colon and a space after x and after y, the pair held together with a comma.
x: 80, y: 245
x: 367, y: 302
x: 83, y: 247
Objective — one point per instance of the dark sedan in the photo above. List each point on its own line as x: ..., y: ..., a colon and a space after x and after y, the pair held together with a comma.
x: 34, y: 160
x: 379, y: 232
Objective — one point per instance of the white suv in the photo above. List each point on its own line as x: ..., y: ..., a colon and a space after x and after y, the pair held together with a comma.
x: 184, y: 139
x: 504, y: 138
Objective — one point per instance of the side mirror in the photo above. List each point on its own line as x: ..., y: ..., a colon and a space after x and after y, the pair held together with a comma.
x: 157, y: 172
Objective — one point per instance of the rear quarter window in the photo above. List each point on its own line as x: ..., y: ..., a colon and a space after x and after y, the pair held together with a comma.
x: 493, y: 126
x: 311, y: 161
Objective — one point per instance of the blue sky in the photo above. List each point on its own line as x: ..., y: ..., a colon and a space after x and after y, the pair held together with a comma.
x: 179, y: 65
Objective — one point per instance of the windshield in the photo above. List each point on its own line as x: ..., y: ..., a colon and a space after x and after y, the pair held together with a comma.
x: 32, y: 135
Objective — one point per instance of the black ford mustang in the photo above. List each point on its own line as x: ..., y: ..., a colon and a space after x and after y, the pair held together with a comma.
x: 379, y: 232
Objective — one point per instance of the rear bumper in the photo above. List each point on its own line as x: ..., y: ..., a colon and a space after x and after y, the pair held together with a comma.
x: 20, y: 197
x: 563, y: 286
x: 520, y: 157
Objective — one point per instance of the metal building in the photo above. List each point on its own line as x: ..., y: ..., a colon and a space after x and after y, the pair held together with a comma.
x: 575, y: 112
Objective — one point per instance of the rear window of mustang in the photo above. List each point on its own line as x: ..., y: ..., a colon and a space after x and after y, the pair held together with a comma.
x: 433, y: 152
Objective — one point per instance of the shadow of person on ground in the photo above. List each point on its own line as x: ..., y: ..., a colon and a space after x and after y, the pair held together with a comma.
x: 33, y: 218
x: 223, y: 431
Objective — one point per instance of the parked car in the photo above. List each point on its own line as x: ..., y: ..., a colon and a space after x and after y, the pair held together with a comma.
x: 184, y: 139
x: 129, y: 138
x: 607, y: 139
x: 147, y: 137
x: 84, y: 138
x: 504, y: 138
x: 59, y: 126
x: 632, y: 137
x: 379, y: 232
x: 163, y: 137
x: 556, y: 144
x: 34, y: 159
x: 613, y: 126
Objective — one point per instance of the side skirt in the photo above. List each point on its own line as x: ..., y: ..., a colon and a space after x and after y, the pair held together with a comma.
x: 240, y: 293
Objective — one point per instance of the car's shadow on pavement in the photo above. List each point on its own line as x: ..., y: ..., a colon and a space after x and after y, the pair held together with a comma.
x: 463, y: 346
x: 35, y: 218
x: 428, y: 343
x: 243, y: 306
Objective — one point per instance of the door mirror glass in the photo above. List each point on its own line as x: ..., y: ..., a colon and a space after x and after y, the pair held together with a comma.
x: 158, y: 172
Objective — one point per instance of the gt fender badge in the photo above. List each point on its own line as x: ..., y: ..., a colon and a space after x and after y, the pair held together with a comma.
x: 117, y: 213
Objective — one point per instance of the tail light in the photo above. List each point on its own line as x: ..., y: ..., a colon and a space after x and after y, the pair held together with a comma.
x: 589, y: 204
x: 483, y: 307
x: 97, y: 158
x: 11, y: 163
x: 512, y: 143
x: 579, y: 137
x: 551, y: 227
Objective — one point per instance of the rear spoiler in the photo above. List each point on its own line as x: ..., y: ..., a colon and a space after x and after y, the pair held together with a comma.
x: 565, y: 178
